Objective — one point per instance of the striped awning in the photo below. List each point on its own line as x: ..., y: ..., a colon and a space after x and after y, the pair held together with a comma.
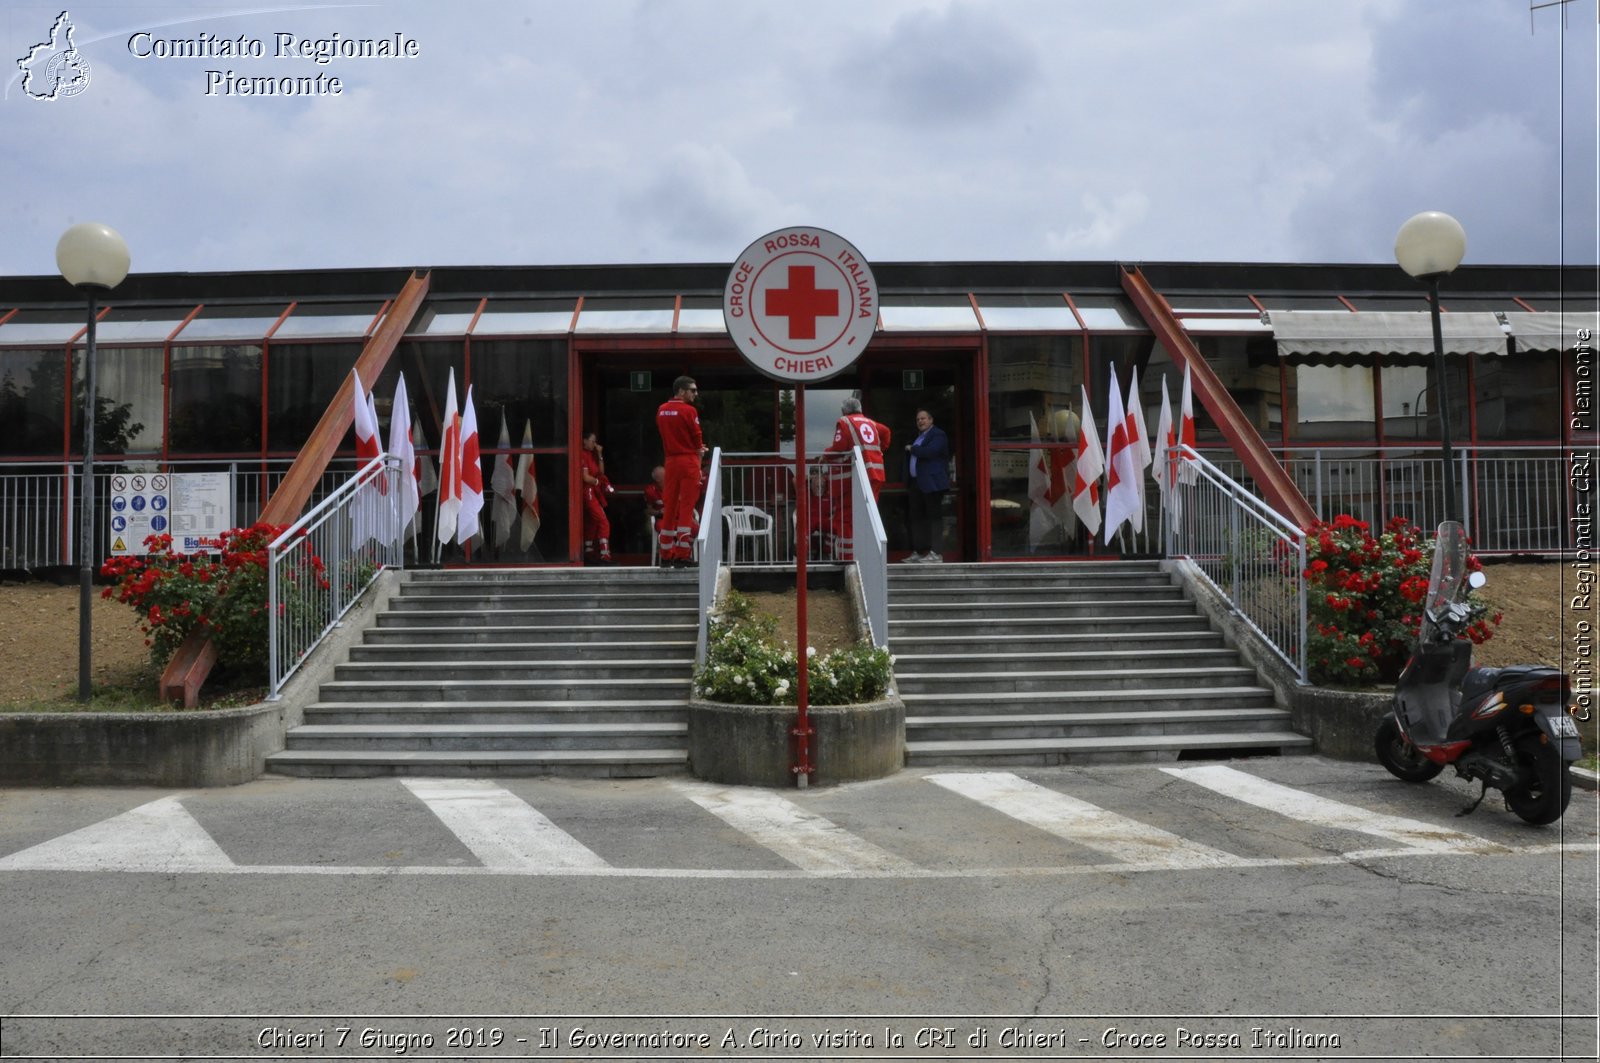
x: 1553, y: 331
x: 1336, y: 335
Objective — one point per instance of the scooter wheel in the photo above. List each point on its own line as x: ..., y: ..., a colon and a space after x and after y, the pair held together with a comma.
x: 1543, y: 797
x: 1404, y: 760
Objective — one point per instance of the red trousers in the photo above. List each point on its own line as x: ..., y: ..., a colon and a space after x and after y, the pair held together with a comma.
x: 681, y: 492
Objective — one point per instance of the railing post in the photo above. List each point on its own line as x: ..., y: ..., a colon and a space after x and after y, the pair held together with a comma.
x: 272, y: 623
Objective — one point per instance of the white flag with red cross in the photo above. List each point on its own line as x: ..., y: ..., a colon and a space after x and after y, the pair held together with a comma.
x: 1091, y: 463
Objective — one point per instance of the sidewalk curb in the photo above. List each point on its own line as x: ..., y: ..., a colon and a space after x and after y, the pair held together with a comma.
x: 1583, y: 777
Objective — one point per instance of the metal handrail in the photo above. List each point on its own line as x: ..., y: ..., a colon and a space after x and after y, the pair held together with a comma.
x: 329, y: 558
x: 1251, y: 554
x: 708, y: 548
x: 870, y: 548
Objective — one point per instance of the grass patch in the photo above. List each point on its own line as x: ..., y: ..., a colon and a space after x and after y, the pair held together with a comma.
x: 137, y: 693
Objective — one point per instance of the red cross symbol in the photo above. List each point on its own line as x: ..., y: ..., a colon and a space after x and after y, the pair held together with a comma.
x: 802, y: 302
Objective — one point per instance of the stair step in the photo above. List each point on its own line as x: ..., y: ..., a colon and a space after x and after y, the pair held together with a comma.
x: 1034, y: 660
x: 612, y: 763
x: 571, y: 619
x: 475, y: 691
x: 1068, y: 682
x: 465, y: 669
x: 597, y: 634
x: 1089, y: 724
x: 495, y: 712
x: 1163, y: 700
x: 488, y: 736
x: 1048, y: 751
x: 679, y: 652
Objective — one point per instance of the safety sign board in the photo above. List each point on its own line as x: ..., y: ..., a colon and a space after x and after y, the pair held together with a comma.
x: 800, y: 304
x: 194, y: 508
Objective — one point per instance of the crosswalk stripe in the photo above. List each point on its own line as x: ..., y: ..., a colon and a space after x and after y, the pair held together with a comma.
x: 807, y: 840
x: 503, y: 831
x: 1082, y: 823
x: 159, y: 836
x: 1326, y: 812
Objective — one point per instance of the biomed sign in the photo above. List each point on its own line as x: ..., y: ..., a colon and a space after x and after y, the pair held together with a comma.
x: 800, y: 304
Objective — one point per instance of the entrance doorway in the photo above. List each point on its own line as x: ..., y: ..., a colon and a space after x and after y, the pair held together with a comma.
x: 743, y: 412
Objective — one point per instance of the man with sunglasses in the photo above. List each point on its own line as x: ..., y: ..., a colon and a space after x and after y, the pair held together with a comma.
x: 679, y: 424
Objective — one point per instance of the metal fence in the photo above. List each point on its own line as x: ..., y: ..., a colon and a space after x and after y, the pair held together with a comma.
x: 39, y: 502
x: 1251, y: 554
x: 759, y: 510
x: 323, y: 562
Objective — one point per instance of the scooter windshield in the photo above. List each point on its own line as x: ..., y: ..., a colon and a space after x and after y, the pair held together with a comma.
x: 1449, y: 572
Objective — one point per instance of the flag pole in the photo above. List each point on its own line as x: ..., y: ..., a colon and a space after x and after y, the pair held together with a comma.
x: 802, y: 721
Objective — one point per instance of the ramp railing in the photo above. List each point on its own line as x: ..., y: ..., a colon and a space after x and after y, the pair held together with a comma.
x: 327, y: 559
x: 871, y: 550
x: 708, y: 548
x: 1254, y: 556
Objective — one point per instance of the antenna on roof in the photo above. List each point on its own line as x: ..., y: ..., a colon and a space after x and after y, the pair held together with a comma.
x: 1539, y: 5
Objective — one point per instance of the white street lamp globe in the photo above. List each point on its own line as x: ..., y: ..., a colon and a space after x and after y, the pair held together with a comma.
x: 1430, y: 243
x: 91, y: 254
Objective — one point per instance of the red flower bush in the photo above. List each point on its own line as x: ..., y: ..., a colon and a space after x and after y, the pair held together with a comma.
x: 1364, y: 597
x: 224, y: 595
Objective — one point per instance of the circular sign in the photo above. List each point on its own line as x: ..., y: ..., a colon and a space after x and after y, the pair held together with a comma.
x: 800, y: 304
x: 137, y: 503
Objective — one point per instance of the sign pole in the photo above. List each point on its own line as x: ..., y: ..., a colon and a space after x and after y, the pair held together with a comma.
x: 802, y: 547
x: 800, y: 305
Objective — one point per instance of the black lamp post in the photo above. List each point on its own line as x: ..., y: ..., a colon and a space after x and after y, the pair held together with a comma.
x: 94, y: 259
x: 1429, y: 246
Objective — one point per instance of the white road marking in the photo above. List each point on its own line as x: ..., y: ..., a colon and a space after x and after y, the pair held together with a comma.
x: 159, y: 836
x: 1082, y: 823
x: 805, y: 839
x: 503, y: 831
x: 1326, y: 812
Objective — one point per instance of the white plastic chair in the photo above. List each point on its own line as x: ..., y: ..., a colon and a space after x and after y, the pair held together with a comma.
x: 747, y: 523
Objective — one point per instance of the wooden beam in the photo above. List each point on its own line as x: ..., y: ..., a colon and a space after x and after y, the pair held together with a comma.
x: 1281, y: 492
x: 186, y: 672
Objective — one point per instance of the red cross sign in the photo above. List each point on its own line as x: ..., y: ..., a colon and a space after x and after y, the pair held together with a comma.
x: 800, y: 304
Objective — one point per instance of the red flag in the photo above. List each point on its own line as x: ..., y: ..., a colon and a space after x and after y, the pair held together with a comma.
x: 471, y: 474
x: 1122, y: 477
x: 1091, y: 463
x: 449, y: 467
x: 366, y: 427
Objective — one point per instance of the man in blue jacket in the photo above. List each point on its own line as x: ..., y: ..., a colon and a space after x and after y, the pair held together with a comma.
x: 927, y: 479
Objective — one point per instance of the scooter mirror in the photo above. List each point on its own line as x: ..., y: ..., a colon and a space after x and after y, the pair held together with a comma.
x: 1476, y: 580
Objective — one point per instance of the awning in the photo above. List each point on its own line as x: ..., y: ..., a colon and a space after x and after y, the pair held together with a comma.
x: 1337, y: 335
x: 1552, y: 331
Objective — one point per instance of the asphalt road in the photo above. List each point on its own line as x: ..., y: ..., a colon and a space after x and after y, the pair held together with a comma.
x: 1296, y: 908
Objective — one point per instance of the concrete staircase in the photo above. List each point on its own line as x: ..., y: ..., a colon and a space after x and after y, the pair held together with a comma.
x: 1070, y: 662
x: 511, y: 672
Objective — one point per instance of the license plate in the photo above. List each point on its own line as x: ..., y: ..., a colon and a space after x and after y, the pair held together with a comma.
x: 1563, y: 727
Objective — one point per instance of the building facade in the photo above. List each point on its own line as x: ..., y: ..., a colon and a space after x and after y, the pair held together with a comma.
x: 1330, y: 366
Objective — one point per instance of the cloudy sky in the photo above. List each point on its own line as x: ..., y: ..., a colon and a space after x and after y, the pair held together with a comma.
x: 578, y: 131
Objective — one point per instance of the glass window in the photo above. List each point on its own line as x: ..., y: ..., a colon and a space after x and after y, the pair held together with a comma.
x: 699, y: 313
x: 626, y: 315
x: 32, y: 402
x: 1391, y: 304
x: 528, y: 380
x: 1108, y: 313
x: 140, y: 324
x: 231, y: 323
x: 1518, y: 399
x: 128, y: 386
x: 1249, y: 368
x: 1300, y: 302
x: 427, y: 365
x: 215, y: 399
x: 1027, y: 313
x: 1031, y: 381
x: 445, y: 317
x: 1410, y: 401
x: 302, y: 379
x: 1330, y: 402
x: 505, y: 317
x: 928, y: 313
x: 1208, y: 302
x: 327, y: 319
x: 44, y: 328
x: 1225, y: 324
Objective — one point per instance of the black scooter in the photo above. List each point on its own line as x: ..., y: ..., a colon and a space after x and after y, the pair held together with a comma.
x: 1505, y: 727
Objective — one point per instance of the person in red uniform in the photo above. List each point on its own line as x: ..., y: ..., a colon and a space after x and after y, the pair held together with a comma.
x: 596, y: 525
x: 679, y: 424
x: 855, y: 429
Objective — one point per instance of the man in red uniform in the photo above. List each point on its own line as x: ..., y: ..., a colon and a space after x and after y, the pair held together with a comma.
x: 856, y: 429
x: 596, y: 486
x: 679, y: 424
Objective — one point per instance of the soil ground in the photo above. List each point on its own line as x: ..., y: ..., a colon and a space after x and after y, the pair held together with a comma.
x: 39, y: 629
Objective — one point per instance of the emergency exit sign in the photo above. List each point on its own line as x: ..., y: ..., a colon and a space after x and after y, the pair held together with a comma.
x: 639, y: 380
x: 911, y: 380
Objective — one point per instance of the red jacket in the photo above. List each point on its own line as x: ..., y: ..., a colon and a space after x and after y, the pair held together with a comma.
x: 679, y: 425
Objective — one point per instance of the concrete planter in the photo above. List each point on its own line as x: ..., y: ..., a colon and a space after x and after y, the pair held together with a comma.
x: 750, y: 745
x: 223, y: 747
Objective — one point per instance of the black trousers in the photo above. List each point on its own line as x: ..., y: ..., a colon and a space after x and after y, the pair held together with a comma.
x: 927, y: 510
